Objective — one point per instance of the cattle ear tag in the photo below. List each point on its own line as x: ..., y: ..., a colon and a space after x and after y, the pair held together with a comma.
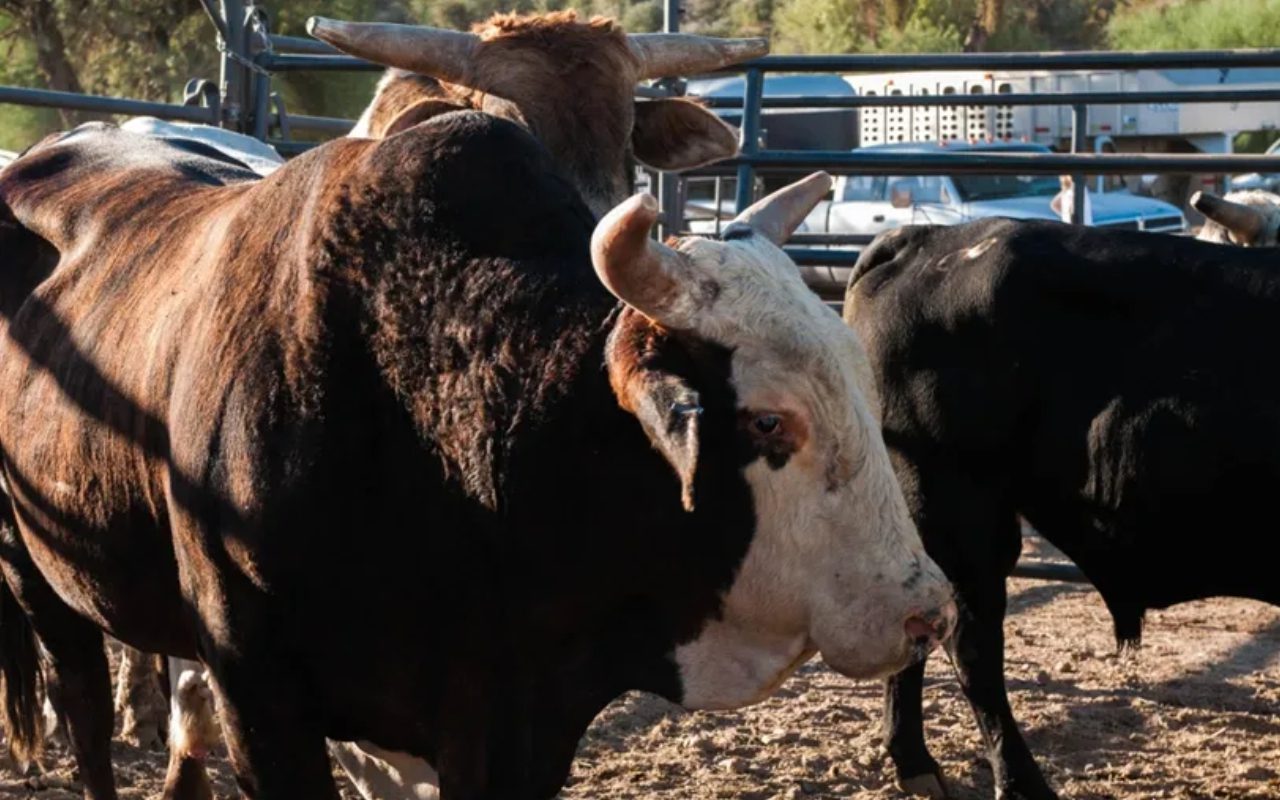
x: 669, y: 411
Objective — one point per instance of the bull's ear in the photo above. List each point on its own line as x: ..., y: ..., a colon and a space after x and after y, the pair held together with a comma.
x: 666, y: 406
x: 680, y: 134
x: 420, y: 112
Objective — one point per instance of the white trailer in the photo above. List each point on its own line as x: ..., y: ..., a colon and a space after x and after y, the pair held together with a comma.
x: 1127, y: 128
x: 1207, y: 127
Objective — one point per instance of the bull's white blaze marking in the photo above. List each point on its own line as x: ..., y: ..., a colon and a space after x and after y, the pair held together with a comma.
x: 979, y: 248
x: 829, y: 565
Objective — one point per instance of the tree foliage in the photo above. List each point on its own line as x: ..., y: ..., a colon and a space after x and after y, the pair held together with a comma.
x: 1197, y: 24
x: 149, y: 48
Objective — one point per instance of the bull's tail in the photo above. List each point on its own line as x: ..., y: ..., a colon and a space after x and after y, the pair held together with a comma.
x: 21, y: 680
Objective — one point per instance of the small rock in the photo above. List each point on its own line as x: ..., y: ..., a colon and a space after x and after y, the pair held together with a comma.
x: 734, y: 764
x: 780, y: 736
x: 1042, y: 677
x: 1066, y: 667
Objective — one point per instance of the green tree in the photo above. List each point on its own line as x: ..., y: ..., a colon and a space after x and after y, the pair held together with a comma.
x: 1196, y: 24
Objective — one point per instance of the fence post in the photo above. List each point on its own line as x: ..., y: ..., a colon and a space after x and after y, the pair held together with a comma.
x: 751, y: 102
x: 1079, y: 129
x: 234, y: 76
x: 258, y: 41
x: 669, y: 182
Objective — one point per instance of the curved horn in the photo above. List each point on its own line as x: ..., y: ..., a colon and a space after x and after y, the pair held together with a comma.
x: 777, y: 216
x: 1245, y: 222
x: 665, y: 55
x: 645, y: 275
x: 434, y: 52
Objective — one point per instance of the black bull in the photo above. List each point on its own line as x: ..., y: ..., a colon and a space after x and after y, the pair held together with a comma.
x: 1118, y: 390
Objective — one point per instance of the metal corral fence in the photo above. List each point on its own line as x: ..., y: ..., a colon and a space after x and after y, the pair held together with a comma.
x: 243, y: 100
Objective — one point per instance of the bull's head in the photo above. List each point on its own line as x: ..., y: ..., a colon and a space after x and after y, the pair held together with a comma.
x: 571, y: 83
x: 1248, y: 218
x: 836, y: 564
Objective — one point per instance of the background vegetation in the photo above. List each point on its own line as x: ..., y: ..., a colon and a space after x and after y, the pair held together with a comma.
x: 149, y: 48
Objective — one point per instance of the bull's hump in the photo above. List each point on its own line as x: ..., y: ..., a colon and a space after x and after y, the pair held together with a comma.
x: 484, y: 181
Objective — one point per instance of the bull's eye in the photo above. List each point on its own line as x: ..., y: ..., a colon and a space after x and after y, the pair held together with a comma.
x: 766, y: 424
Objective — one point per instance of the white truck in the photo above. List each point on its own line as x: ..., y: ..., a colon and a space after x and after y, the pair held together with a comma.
x: 872, y: 204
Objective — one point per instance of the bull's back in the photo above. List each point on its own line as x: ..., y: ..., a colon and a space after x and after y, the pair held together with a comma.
x: 158, y: 267
x: 1114, y: 384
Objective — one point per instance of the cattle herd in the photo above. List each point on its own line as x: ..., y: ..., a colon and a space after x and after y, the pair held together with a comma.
x: 415, y: 452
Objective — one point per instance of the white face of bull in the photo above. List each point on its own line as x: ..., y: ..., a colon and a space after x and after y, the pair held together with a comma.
x: 835, y: 565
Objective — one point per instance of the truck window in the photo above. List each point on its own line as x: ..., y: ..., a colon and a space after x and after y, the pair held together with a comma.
x: 864, y: 188
x: 924, y: 188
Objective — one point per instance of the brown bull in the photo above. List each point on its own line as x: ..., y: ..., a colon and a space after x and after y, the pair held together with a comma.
x: 380, y: 400
x: 568, y: 81
x: 571, y: 83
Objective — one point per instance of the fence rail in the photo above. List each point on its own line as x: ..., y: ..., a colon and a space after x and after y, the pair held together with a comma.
x: 47, y: 98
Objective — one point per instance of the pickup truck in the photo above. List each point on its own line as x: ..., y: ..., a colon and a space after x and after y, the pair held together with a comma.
x: 871, y: 204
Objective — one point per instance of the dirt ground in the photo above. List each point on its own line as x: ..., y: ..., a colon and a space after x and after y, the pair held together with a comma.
x: 1195, y: 714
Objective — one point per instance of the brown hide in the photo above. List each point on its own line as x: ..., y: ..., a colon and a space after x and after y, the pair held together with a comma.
x: 169, y: 291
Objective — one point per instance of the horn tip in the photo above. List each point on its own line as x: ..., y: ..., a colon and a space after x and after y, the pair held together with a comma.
x: 756, y: 47
x: 316, y: 26
x: 1198, y: 201
x: 823, y: 179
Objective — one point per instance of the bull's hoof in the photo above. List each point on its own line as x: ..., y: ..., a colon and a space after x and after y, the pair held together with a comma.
x: 929, y: 785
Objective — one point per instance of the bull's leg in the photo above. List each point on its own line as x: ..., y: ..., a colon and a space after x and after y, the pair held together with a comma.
x: 276, y: 749
x: 79, y: 681
x: 193, y: 733
x: 140, y: 700
x: 918, y: 772
x: 77, y: 674
x: 978, y: 650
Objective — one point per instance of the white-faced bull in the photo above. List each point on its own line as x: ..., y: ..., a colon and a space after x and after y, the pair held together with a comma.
x: 1249, y: 218
x: 370, y: 438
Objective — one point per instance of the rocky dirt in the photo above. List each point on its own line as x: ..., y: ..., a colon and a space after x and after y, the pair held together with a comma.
x: 1194, y: 714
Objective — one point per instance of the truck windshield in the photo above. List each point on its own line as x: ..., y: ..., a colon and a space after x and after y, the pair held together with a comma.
x: 994, y: 187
